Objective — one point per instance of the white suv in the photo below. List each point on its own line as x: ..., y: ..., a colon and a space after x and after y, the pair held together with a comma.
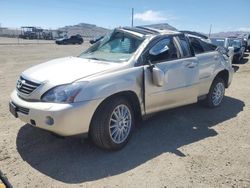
x: 130, y: 73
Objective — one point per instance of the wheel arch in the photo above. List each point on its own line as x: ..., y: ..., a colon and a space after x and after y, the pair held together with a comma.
x: 128, y: 95
x: 224, y: 74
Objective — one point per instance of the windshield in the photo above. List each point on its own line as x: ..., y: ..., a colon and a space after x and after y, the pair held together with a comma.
x: 218, y: 42
x: 235, y: 43
x: 116, y: 46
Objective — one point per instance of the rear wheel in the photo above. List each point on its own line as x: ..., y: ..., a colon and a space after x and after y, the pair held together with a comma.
x: 112, y: 124
x: 216, y: 93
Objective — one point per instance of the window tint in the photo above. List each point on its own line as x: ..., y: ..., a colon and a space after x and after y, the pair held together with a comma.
x: 185, y: 46
x: 196, y: 45
x: 170, y: 54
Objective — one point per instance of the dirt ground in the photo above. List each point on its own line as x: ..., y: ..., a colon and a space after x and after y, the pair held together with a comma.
x: 191, y: 146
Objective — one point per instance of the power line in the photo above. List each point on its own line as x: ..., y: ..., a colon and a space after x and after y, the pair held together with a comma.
x: 132, y: 21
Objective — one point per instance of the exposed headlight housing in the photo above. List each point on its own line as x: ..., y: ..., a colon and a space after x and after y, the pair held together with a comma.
x: 64, y: 93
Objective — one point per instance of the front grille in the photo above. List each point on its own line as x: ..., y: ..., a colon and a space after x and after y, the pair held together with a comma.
x: 21, y: 109
x: 26, y: 86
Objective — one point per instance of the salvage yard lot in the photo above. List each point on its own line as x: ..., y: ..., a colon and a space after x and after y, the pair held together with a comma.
x: 186, y: 147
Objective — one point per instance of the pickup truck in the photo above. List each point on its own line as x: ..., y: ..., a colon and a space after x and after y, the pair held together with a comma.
x: 127, y: 75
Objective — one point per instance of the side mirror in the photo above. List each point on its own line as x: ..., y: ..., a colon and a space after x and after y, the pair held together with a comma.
x: 158, y: 49
x: 230, y: 50
x: 157, y: 76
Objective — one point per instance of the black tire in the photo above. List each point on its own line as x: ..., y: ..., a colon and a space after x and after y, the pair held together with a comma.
x: 100, y: 131
x: 209, y: 102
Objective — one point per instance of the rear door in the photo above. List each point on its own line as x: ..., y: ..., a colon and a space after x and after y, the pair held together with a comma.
x: 208, y: 58
x: 180, y: 78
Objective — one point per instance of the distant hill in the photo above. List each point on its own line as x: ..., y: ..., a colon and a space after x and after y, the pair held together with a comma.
x: 228, y: 34
x: 91, y: 31
x: 161, y: 26
x: 85, y: 30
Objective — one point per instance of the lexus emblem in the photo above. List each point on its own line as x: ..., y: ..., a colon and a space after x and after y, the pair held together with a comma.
x: 20, y: 83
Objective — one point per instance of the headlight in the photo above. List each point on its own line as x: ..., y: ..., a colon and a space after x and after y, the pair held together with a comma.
x: 64, y: 93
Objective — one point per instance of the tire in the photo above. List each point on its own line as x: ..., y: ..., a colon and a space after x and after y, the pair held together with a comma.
x: 214, y: 99
x: 107, y: 134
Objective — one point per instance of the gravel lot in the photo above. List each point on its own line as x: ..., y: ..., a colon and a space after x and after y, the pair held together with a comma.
x: 191, y: 146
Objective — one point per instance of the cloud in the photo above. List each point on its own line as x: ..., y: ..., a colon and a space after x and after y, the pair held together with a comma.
x: 151, y: 16
x: 244, y: 29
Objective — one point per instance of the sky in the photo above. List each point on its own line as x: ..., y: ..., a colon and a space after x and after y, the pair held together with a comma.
x: 195, y: 15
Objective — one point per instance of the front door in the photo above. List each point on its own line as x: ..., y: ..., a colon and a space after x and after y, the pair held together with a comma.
x: 180, y: 85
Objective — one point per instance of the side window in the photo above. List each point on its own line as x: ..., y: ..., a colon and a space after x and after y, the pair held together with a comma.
x: 207, y: 47
x: 166, y: 50
x: 196, y: 45
x: 184, y: 46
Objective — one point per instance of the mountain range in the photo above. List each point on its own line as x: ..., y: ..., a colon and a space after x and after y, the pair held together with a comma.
x: 91, y: 31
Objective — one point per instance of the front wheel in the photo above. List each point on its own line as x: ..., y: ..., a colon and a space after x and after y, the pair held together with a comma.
x: 112, y: 124
x: 216, y: 93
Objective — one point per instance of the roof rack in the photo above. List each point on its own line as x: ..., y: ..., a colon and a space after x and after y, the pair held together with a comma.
x: 195, y: 33
x: 140, y: 30
x: 154, y: 31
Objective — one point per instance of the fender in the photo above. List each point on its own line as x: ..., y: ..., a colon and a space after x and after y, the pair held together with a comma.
x: 101, y: 87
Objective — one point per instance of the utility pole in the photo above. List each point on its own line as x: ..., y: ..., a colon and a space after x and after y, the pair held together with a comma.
x: 132, y: 21
x: 210, y: 30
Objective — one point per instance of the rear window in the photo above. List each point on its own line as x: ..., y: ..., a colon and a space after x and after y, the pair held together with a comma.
x: 207, y: 47
x: 218, y: 42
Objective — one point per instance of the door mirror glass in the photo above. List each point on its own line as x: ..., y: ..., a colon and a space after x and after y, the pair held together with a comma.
x: 157, y: 76
x: 159, y: 48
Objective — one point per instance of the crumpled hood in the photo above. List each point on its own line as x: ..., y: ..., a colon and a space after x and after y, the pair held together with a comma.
x: 66, y: 70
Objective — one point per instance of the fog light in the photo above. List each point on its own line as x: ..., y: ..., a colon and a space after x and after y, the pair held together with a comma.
x: 49, y: 120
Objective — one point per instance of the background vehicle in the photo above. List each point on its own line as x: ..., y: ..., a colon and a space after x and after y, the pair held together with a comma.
x: 74, y: 39
x: 239, y: 48
x: 233, y: 45
x: 246, y: 38
x: 31, y: 32
x: 129, y: 74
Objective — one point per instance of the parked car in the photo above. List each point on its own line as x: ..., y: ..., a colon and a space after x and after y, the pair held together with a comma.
x: 74, y: 39
x: 131, y: 73
x: 246, y: 39
x: 239, y: 48
x: 234, y: 46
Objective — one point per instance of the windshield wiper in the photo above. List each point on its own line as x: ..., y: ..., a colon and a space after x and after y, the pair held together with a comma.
x: 98, y: 59
x: 94, y: 58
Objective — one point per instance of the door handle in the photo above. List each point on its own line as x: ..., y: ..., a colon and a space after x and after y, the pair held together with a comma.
x: 191, y: 65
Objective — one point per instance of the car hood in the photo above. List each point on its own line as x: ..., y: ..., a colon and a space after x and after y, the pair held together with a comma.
x: 66, y: 70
